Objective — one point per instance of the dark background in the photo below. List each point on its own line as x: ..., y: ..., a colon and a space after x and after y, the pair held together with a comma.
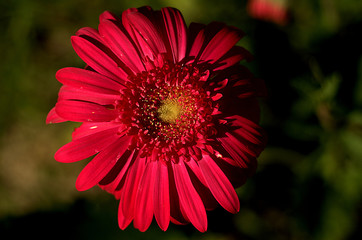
x: 308, y: 184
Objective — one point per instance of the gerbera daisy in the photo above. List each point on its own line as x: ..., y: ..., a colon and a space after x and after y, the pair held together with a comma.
x: 169, y: 113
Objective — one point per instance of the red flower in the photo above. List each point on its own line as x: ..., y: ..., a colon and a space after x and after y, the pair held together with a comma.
x: 269, y: 10
x: 168, y: 112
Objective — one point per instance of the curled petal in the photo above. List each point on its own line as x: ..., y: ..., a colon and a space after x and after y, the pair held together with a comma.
x: 222, y: 84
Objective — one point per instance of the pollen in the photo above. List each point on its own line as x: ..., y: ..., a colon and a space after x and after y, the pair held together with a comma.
x: 169, y: 111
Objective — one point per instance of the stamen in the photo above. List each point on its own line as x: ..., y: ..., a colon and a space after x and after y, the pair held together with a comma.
x: 169, y: 110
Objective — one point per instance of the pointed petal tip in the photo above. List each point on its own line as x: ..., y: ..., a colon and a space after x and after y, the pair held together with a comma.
x: 202, y: 228
x: 219, y: 185
x: 49, y: 121
x: 73, y: 39
x: 122, y: 227
x: 53, y: 117
x: 123, y: 221
x: 142, y: 226
x: 236, y: 208
x: 107, y: 15
x: 163, y: 224
x: 164, y: 227
x: 190, y: 201
x: 59, y: 157
x: 81, y: 186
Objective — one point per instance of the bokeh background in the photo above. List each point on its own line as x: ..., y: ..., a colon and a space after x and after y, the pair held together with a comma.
x: 309, y: 180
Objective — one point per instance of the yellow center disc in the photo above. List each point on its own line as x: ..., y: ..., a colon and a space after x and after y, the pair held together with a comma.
x: 169, y: 110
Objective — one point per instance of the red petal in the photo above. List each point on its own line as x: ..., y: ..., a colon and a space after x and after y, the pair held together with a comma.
x: 89, y: 32
x: 112, y: 181
x: 79, y: 94
x: 97, y: 59
x: 84, y: 111
x: 144, y: 200
x: 89, y: 80
x: 129, y: 192
x: 219, y: 185
x: 123, y: 221
x: 176, y: 32
x: 87, y: 146
x: 53, y: 117
x: 121, y: 45
x: 197, y: 44
x: 221, y: 84
x: 236, y: 152
x: 248, y: 130
x: 216, y: 97
x: 106, y: 15
x: 101, y: 164
x: 161, y: 196
x: 220, y: 44
x: 253, y: 87
x: 245, y: 142
x: 196, y: 170
x: 175, y: 208
x: 89, y: 128
x: 189, y: 199
x: 201, y: 186
x: 144, y: 33
x: 235, y: 55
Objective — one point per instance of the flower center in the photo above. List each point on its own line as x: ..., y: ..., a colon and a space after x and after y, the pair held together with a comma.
x: 169, y: 111
x: 166, y: 108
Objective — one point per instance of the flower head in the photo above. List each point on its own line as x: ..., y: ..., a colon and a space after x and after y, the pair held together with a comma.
x: 169, y: 113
